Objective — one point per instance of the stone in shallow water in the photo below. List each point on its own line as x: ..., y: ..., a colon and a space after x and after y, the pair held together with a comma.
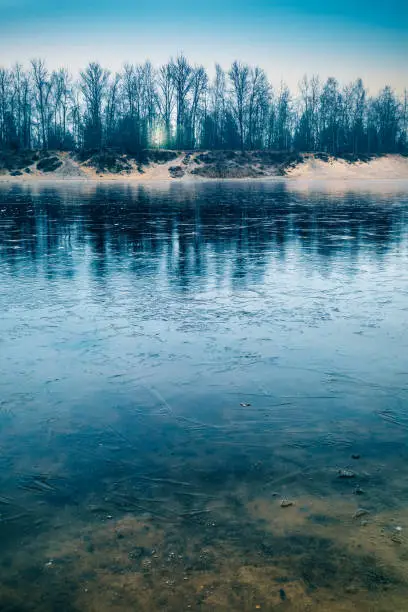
x: 396, y: 537
x: 360, y: 512
x: 282, y: 594
x: 346, y: 474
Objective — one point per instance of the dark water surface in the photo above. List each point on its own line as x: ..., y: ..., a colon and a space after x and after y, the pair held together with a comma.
x: 174, y: 362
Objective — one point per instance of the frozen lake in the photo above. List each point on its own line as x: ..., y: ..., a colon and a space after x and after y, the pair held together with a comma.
x: 175, y: 362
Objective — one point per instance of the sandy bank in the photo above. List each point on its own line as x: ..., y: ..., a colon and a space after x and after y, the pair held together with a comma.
x: 378, y: 168
x: 195, y: 166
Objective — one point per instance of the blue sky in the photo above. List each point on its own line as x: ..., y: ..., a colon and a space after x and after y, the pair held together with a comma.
x: 287, y: 37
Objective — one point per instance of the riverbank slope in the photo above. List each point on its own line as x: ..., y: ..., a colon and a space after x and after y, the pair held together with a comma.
x: 165, y: 165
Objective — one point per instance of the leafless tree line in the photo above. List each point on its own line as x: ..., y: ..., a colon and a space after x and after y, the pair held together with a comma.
x: 179, y: 106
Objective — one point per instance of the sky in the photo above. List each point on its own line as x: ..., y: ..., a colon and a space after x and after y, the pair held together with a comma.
x: 288, y: 38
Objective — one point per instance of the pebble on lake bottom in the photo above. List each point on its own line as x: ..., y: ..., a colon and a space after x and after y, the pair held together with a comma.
x: 346, y: 474
x: 360, y: 512
x: 396, y: 537
x: 282, y: 594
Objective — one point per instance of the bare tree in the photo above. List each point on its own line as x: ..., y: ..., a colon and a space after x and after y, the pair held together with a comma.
x: 149, y: 96
x: 166, y: 98
x: 94, y: 81
x: 404, y: 122
x: 5, y: 111
x: 182, y: 75
x: 239, y: 76
x: 357, y: 99
x: 386, y: 114
x: 219, y: 103
x: 330, y: 108
x: 283, y: 119
x: 199, y: 83
x: 258, y: 106
x: 111, y: 110
x: 42, y: 92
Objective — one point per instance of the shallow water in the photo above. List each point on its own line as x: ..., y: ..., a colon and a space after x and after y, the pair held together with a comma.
x: 174, y: 362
